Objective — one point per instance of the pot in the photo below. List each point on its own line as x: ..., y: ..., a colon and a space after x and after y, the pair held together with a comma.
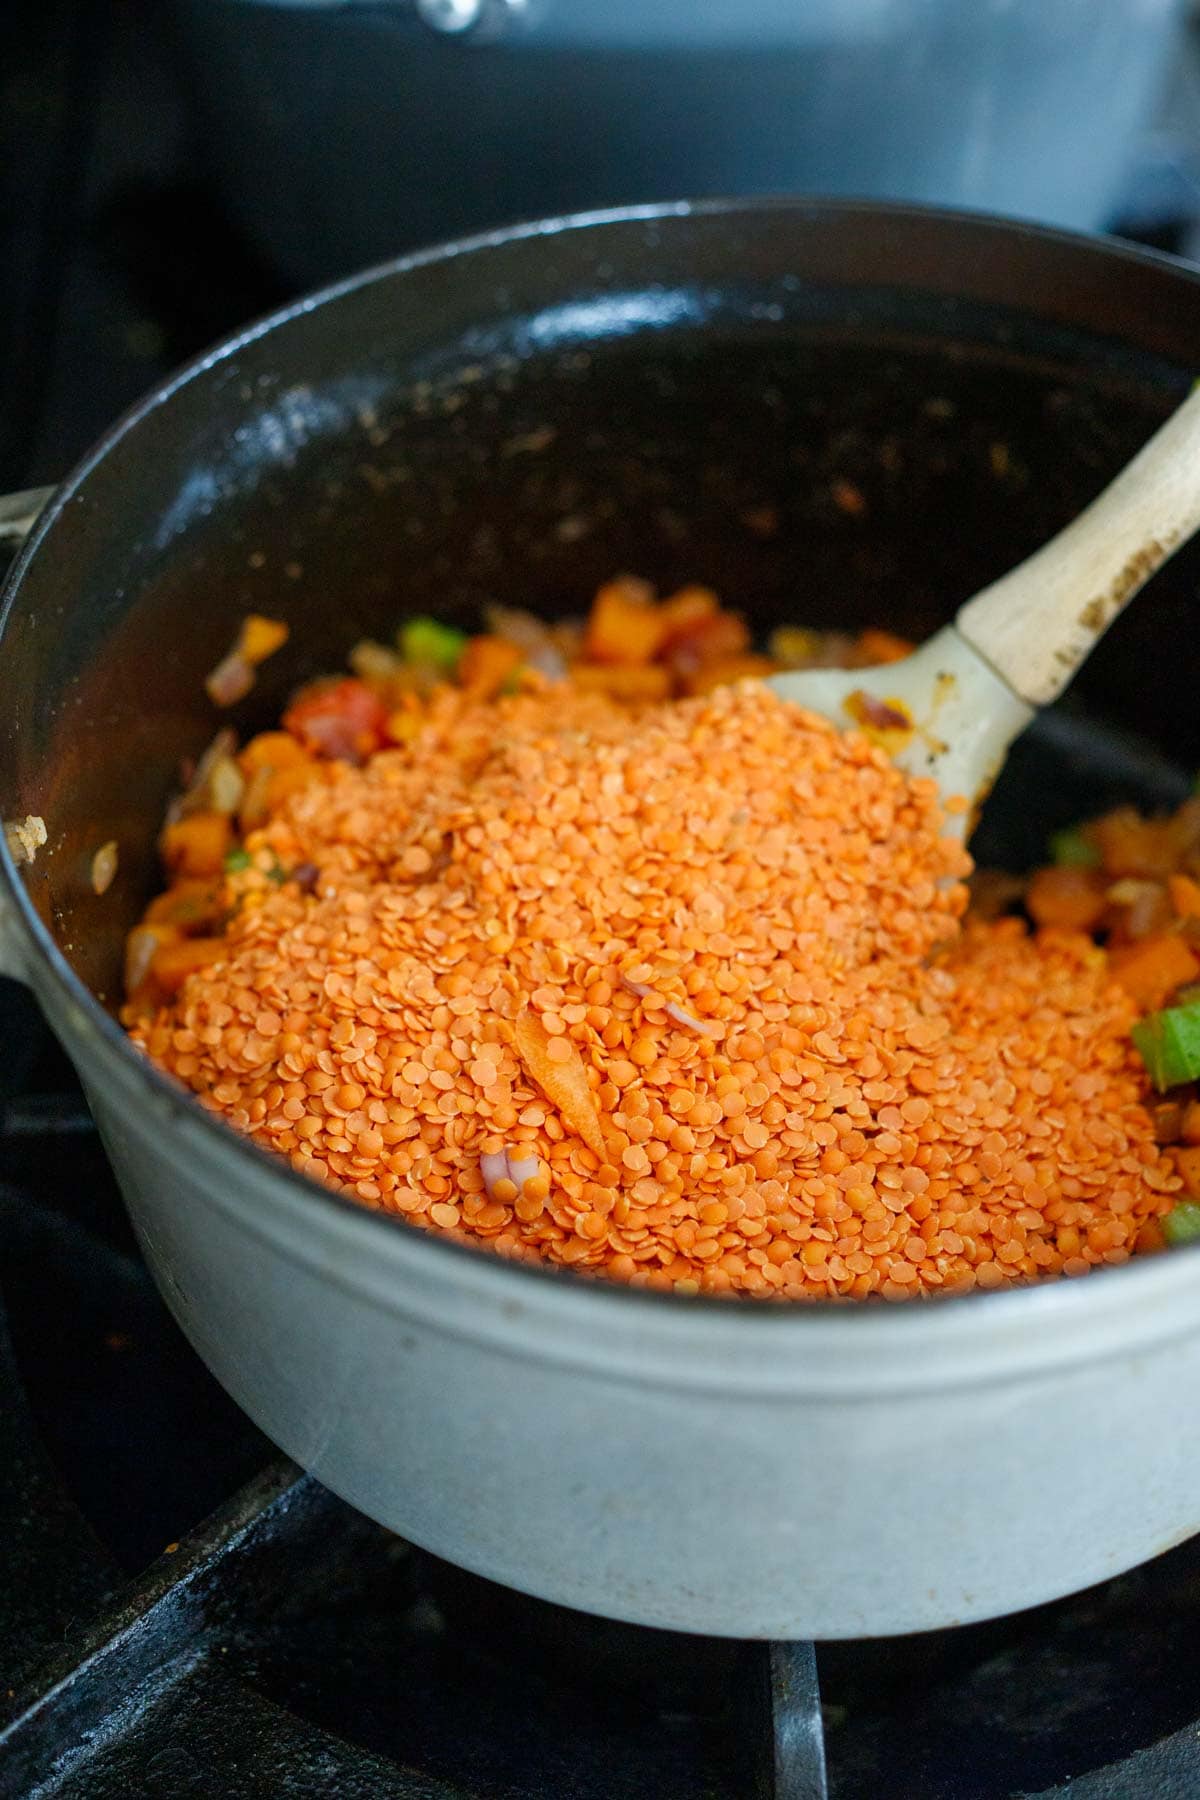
x: 672, y: 390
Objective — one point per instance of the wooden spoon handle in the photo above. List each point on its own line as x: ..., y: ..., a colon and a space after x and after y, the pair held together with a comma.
x: 1038, y: 623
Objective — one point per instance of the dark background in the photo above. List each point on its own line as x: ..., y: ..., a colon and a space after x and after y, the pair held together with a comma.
x: 118, y: 258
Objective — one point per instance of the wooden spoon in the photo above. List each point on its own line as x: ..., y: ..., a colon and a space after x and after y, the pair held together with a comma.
x: 954, y: 706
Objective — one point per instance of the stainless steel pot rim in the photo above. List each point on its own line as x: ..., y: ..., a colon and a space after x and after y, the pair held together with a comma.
x: 702, y: 1342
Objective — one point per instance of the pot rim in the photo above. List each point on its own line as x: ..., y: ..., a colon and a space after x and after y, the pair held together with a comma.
x: 701, y: 1340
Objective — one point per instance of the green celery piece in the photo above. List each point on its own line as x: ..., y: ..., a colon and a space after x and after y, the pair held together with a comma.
x: 237, y: 859
x: 425, y: 641
x: 1169, y: 1044
x: 1182, y: 1224
x: 1070, y: 849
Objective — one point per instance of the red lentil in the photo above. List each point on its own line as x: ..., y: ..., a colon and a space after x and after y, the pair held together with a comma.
x: 700, y: 970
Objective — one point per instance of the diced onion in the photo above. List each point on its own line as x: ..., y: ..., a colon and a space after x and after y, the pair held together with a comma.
x: 521, y: 1169
x: 230, y: 681
x: 104, y: 867
x: 493, y: 1166
x: 710, y: 1028
x: 504, y: 1165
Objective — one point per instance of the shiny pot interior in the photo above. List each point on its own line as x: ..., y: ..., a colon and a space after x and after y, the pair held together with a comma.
x: 677, y: 394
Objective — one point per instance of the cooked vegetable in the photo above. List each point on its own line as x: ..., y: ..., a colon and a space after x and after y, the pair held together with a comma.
x: 426, y: 641
x: 261, y: 638
x: 708, y: 640
x: 1182, y: 1224
x: 1072, y: 849
x: 1066, y: 897
x: 725, y: 669
x: 876, y: 646
x: 191, y: 905
x: 1131, y: 845
x: 1184, y: 895
x: 1151, y: 970
x: 683, y: 611
x: 175, y: 960
x: 486, y: 665
x: 230, y: 681
x: 271, y: 750
x: 624, y: 681
x: 196, y: 845
x: 625, y: 625
x: 556, y: 1065
x: 233, y: 676
x: 1169, y: 1045
x: 1187, y: 1167
x: 104, y: 867
x: 1189, y: 1129
x: 342, y: 719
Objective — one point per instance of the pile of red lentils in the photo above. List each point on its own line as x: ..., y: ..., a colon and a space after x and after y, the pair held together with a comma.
x: 681, y: 997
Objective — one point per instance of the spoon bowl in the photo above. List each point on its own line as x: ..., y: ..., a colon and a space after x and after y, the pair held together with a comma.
x: 952, y: 708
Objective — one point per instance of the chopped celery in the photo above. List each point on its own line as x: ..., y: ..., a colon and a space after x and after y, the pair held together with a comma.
x: 1182, y: 1224
x: 1169, y: 1043
x: 1071, y: 850
x: 236, y: 861
x: 425, y: 641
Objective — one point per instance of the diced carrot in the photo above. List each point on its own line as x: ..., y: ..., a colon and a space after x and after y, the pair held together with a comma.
x: 625, y: 625
x: 564, y: 1082
x: 1185, y: 896
x: 486, y: 664
x: 883, y: 646
x: 1189, y: 1131
x: 261, y: 637
x: 271, y: 749
x: 1149, y: 1238
x: 682, y: 612
x: 1187, y: 1166
x: 1151, y: 970
x: 342, y: 719
x: 724, y: 669
x: 190, y: 906
x: 174, y: 962
x: 196, y: 845
x: 1066, y: 898
x: 1131, y: 845
x: 276, y: 766
x: 403, y: 727
x: 623, y: 681
x: 281, y: 783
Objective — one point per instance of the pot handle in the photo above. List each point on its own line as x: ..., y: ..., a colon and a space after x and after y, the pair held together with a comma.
x: 19, y: 514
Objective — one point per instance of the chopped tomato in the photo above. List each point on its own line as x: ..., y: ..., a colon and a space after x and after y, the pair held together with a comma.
x: 340, y: 719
